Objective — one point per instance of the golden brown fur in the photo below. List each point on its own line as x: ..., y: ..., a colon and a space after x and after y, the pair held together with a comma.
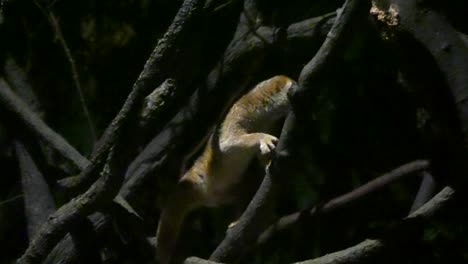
x: 211, y: 181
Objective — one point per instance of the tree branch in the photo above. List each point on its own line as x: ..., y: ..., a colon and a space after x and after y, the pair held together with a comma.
x: 34, y: 123
x: 195, y: 260
x: 69, y: 214
x: 360, y: 253
x: 346, y: 199
x: 16, y: 77
x: 78, y: 246
x: 38, y: 200
x: 426, y: 191
x: 331, y: 47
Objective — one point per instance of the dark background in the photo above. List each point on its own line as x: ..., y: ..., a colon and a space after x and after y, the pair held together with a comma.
x: 367, y: 123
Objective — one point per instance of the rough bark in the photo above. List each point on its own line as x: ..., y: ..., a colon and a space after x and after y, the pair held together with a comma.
x: 38, y: 200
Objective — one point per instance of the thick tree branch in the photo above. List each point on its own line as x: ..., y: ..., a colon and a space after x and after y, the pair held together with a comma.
x: 38, y: 200
x: 333, y: 43
x: 310, y: 28
x: 360, y: 253
x: 195, y: 260
x: 17, y: 78
x: 78, y: 246
x: 32, y: 121
x: 69, y: 214
x: 426, y: 190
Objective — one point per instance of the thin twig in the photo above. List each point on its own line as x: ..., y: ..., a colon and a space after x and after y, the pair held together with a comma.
x: 75, y: 76
x: 12, y: 199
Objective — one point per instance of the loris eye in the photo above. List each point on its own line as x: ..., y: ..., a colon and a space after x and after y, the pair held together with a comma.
x: 201, y: 176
